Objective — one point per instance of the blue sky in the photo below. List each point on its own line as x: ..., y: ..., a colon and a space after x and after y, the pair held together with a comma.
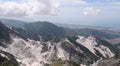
x: 83, y: 12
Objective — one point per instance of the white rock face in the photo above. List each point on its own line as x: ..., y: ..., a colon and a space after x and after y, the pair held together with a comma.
x: 91, y: 42
x: 31, y: 53
x: 38, y: 53
x: 62, y: 54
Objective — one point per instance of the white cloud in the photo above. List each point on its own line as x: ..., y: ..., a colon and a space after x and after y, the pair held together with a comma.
x: 29, y: 8
x: 90, y: 11
x: 74, y: 2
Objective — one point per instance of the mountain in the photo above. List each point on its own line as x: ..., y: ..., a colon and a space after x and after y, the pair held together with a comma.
x: 110, y: 34
x: 37, y: 29
x: 92, y: 32
x: 72, y: 50
x: 12, y: 22
x: 5, y: 57
x: 45, y: 29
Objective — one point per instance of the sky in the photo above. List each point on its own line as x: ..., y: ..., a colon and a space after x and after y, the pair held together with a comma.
x: 83, y: 12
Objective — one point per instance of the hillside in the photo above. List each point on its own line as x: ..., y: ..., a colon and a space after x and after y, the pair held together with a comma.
x: 114, y: 61
x: 70, y: 50
x: 12, y: 22
x: 44, y: 29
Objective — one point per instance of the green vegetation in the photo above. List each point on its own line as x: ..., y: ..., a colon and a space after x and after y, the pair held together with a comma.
x: 9, y: 60
x: 44, y: 29
x: 9, y: 63
x: 64, y: 63
x: 56, y: 64
x: 4, y: 33
x: 118, y: 46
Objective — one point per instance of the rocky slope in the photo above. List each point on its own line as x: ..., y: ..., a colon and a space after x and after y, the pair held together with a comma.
x: 109, y: 62
x: 76, y: 50
x: 7, y: 59
x: 114, y: 61
x: 36, y: 53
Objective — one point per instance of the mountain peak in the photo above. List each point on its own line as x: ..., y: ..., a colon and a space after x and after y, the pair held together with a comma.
x: 44, y: 29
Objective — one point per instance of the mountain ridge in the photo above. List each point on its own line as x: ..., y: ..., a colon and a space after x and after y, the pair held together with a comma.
x: 71, y: 49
